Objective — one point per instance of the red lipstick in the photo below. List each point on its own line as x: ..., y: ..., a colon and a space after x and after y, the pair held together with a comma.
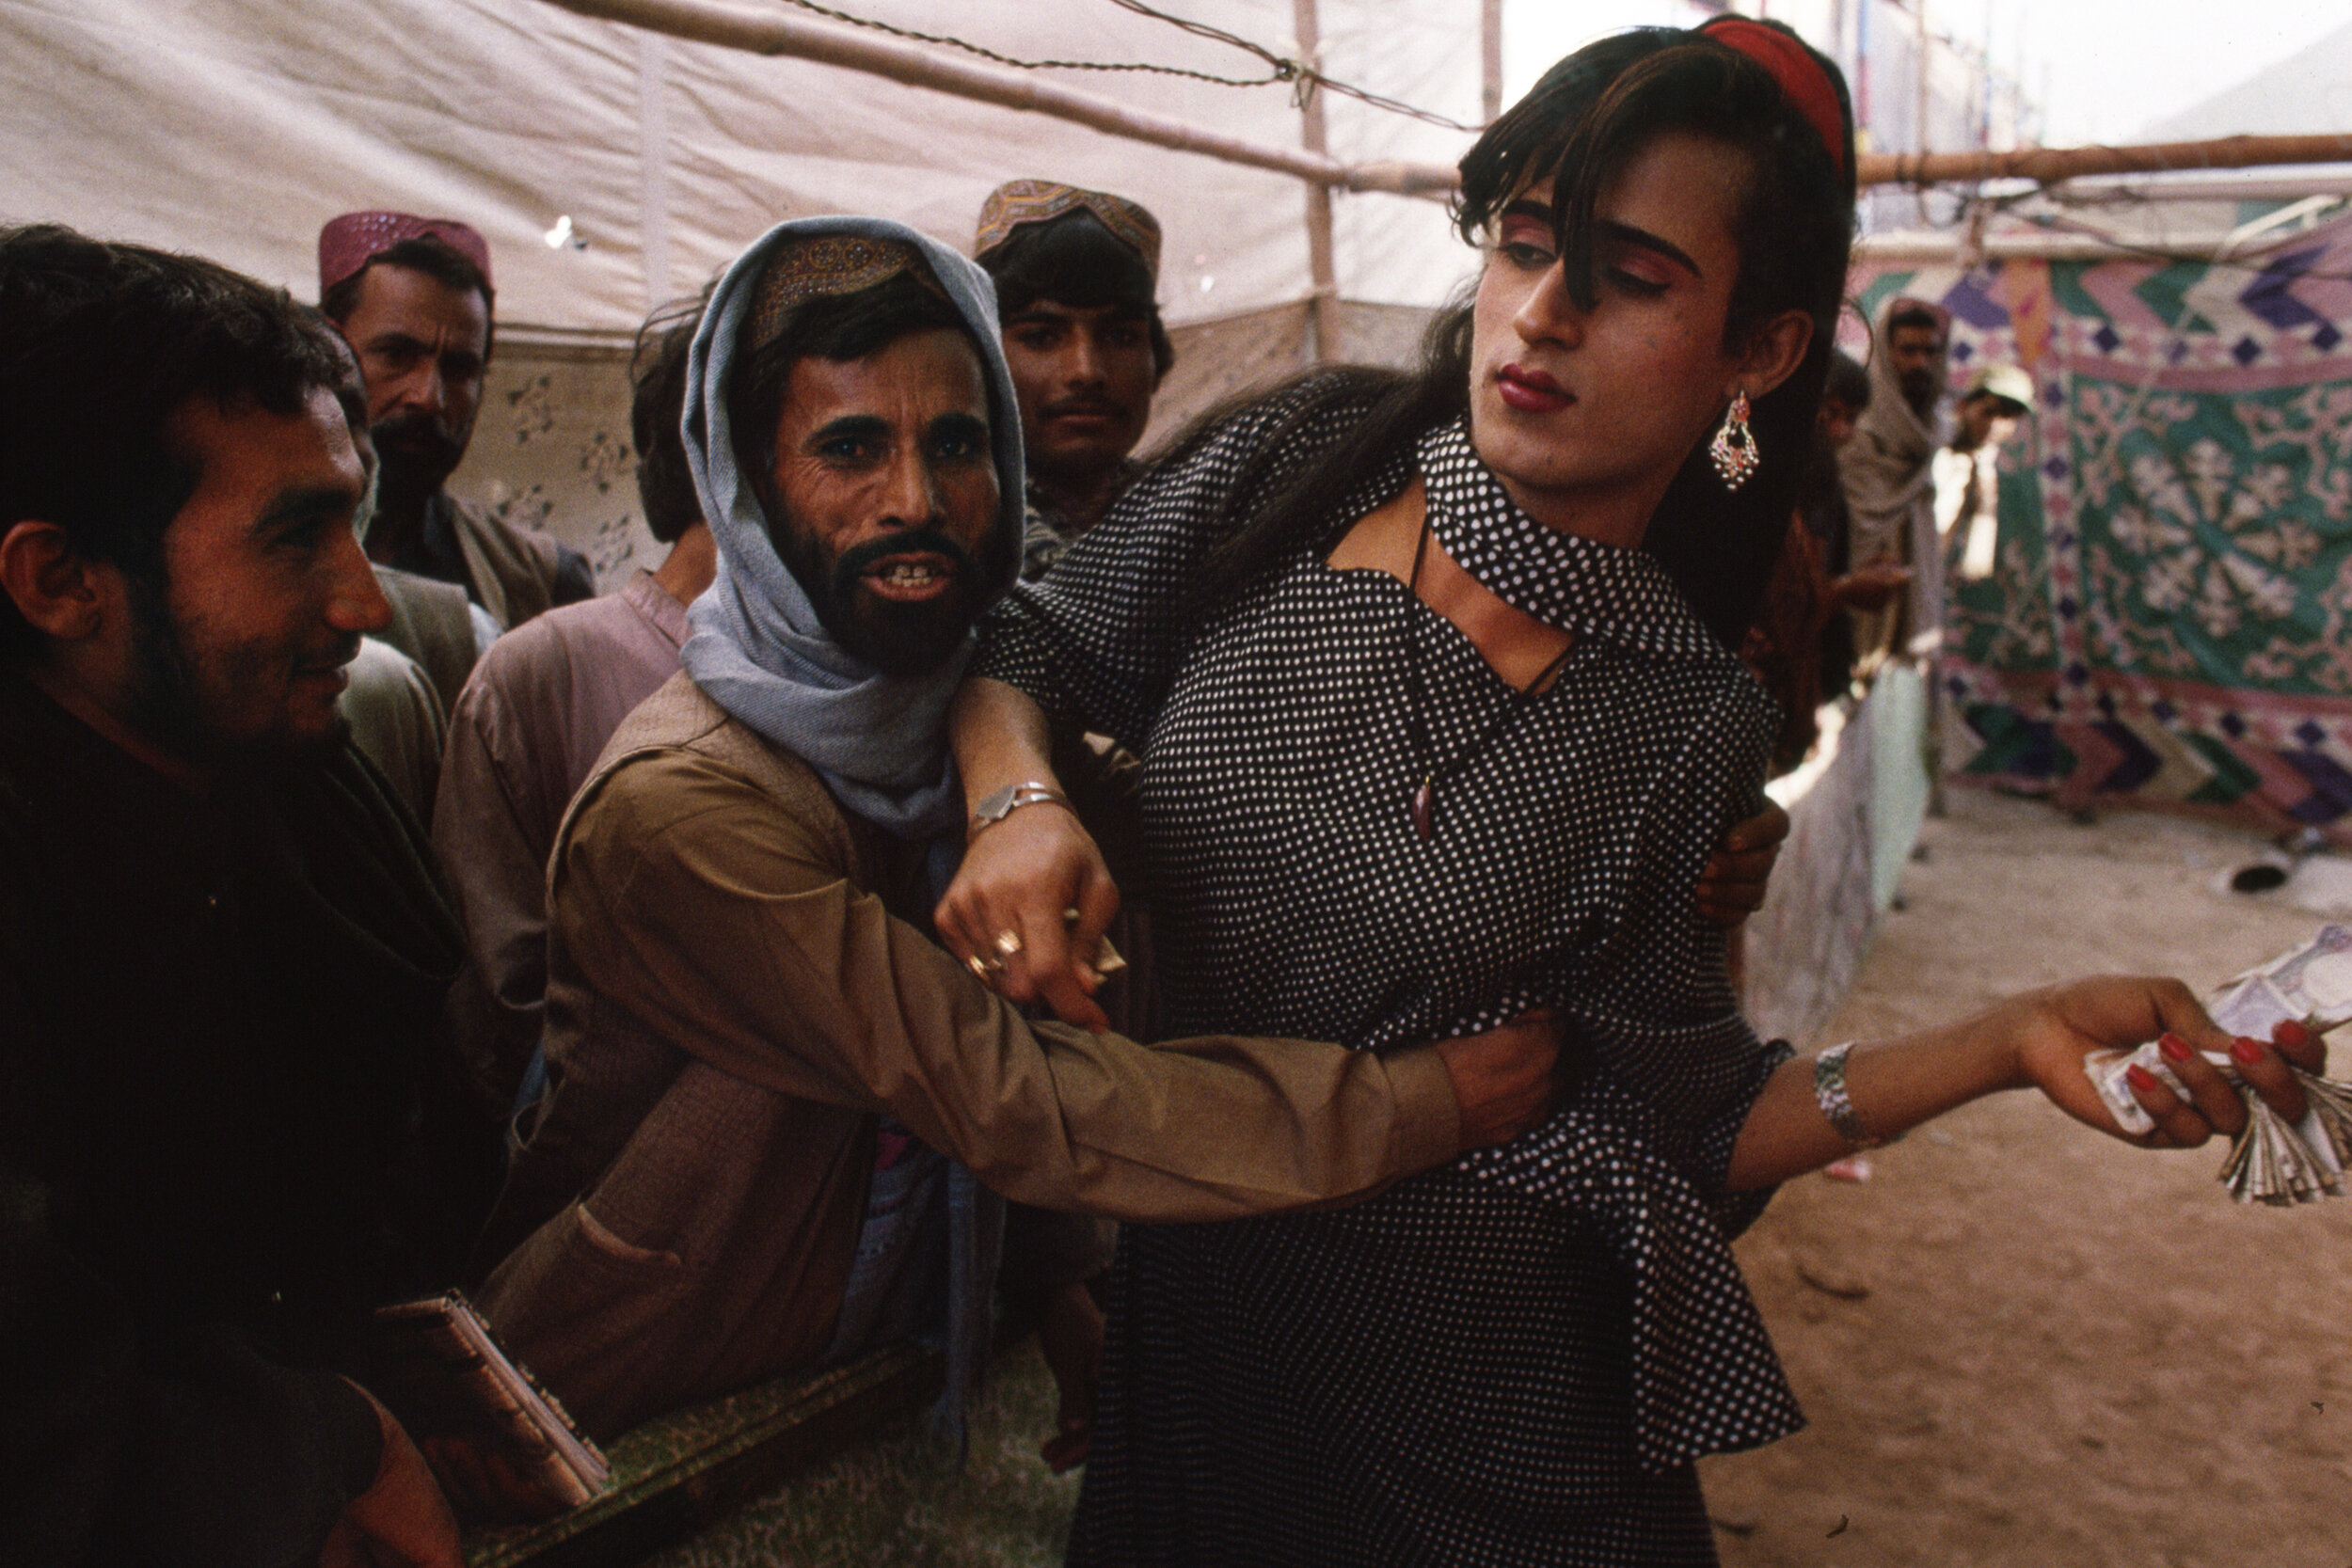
x: 1531, y: 392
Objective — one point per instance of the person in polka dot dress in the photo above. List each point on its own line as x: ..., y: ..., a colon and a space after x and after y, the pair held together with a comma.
x: 1432, y: 680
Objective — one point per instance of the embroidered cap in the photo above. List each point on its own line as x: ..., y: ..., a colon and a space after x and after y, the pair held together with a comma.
x: 352, y: 241
x: 1017, y: 203
x: 825, y: 264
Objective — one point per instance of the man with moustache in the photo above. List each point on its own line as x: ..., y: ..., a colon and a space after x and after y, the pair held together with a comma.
x: 769, y: 1090
x: 1075, y: 271
x: 1886, y: 469
x: 222, y: 945
x: 412, y: 296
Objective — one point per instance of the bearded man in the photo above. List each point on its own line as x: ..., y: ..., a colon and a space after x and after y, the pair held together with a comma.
x: 223, y: 1120
x: 1888, y: 486
x: 769, y: 1090
x: 412, y: 296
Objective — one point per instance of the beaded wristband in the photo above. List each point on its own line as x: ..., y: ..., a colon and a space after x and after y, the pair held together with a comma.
x: 1829, y: 1090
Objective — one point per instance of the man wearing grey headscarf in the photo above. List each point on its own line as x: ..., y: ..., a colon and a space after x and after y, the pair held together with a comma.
x: 1888, y: 490
x: 769, y: 1090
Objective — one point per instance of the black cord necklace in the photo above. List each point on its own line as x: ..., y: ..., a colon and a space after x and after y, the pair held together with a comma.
x: 1433, y: 772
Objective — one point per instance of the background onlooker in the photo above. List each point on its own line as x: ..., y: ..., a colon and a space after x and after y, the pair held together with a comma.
x: 1967, y: 472
x: 538, y: 710
x: 1075, y: 274
x: 413, y: 297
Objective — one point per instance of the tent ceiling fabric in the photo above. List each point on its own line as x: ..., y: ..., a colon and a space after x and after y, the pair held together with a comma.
x: 235, y: 130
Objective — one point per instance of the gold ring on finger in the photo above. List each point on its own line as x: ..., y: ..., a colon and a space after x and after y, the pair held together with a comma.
x: 979, y: 966
x: 1007, y: 943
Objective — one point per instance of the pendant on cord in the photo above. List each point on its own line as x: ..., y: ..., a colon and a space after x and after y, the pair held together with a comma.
x: 1425, y: 808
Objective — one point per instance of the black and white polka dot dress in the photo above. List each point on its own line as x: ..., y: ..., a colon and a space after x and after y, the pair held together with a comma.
x: 1513, y: 1359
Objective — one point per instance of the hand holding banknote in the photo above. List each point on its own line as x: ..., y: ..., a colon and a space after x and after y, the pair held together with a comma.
x: 2066, y: 1030
x: 1872, y: 1091
x: 2293, y: 1135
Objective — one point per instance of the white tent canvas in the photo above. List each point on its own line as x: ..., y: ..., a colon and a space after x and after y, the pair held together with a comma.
x: 234, y: 131
x: 613, y: 169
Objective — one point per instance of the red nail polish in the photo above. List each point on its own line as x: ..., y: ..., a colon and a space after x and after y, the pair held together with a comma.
x: 2288, y: 1031
x: 2140, y: 1078
x: 2246, y: 1051
x: 2174, y: 1048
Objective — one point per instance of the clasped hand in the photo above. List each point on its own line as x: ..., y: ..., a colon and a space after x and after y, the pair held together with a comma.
x: 1008, y: 915
x: 1005, y: 917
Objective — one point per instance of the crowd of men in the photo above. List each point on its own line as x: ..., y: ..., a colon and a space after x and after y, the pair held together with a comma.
x: 644, y: 1038
x: 272, y: 1057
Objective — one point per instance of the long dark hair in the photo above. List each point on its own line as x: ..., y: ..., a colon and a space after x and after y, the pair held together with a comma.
x: 1581, y: 125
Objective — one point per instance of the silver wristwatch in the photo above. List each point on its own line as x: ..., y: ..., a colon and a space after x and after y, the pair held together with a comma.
x: 998, y: 804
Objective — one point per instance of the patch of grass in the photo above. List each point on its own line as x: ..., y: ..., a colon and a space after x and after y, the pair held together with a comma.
x: 896, y: 1501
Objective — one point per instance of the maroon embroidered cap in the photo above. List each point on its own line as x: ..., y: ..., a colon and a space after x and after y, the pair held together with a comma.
x: 352, y: 241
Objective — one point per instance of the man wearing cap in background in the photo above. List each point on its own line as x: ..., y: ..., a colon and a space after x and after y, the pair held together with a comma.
x: 413, y: 297
x: 1967, y: 472
x: 1075, y: 271
x: 1075, y: 274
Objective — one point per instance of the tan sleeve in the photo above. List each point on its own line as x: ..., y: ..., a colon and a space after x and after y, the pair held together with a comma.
x: 726, y: 924
x: 493, y: 850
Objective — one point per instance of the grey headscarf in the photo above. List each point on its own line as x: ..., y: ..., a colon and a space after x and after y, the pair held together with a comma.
x: 880, y: 742
x: 756, y: 647
x: 1889, y: 484
x: 1885, y: 464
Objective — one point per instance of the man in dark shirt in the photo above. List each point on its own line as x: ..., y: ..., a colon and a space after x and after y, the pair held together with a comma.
x: 412, y: 296
x: 222, y: 948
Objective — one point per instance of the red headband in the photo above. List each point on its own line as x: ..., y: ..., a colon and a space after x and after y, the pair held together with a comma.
x: 352, y: 241
x: 1794, y: 68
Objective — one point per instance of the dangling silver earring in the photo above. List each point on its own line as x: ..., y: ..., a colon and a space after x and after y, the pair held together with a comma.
x: 1734, y: 447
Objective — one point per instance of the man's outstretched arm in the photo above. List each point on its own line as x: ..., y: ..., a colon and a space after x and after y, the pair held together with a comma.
x: 693, y: 900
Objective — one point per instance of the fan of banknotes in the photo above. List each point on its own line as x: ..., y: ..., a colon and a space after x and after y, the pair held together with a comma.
x: 2270, y: 1162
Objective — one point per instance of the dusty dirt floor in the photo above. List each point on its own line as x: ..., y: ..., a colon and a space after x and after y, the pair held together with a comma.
x: 2020, y: 1343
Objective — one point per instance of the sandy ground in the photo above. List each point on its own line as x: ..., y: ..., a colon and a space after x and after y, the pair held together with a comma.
x: 2020, y: 1343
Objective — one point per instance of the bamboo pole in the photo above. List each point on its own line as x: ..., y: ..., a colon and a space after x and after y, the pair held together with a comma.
x: 734, y: 25
x: 1490, y: 60
x: 2048, y: 164
x: 1322, y: 271
x: 1917, y: 247
x: 1924, y: 80
x: 757, y: 31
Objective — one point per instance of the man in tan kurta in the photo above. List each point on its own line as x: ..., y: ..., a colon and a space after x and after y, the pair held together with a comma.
x: 740, y: 973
